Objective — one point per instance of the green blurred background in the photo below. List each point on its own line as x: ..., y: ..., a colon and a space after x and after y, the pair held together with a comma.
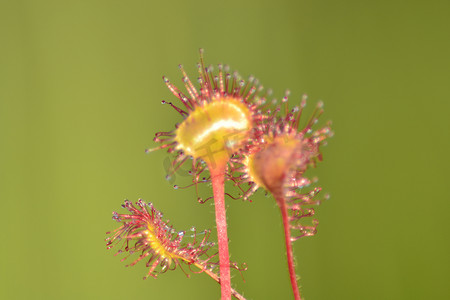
x: 80, y: 93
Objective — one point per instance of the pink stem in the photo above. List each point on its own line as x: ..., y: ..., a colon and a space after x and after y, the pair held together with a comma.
x: 289, y: 252
x: 216, y: 278
x: 217, y: 177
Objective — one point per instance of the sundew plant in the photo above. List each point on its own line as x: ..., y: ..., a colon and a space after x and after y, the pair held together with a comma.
x: 229, y: 130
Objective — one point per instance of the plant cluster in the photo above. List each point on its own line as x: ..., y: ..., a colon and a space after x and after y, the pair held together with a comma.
x: 230, y: 131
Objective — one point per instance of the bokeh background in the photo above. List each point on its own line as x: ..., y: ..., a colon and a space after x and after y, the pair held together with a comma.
x: 80, y: 94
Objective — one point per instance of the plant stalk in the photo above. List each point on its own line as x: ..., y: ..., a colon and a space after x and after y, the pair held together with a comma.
x: 217, y: 178
x: 290, y: 255
x: 216, y: 278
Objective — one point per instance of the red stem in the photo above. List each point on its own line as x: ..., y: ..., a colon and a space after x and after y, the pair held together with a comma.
x: 217, y: 178
x: 290, y: 255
